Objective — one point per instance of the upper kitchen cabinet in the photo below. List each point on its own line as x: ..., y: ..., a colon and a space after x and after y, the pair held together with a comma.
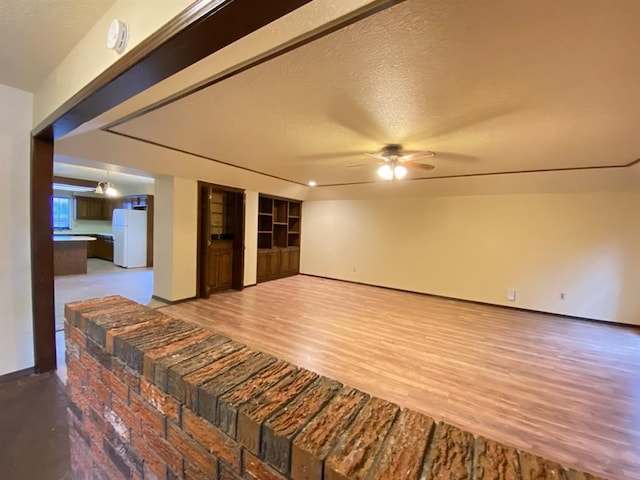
x: 92, y: 208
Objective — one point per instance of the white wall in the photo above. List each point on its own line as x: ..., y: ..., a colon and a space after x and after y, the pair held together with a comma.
x: 16, y: 329
x: 175, y: 238
x: 477, y: 247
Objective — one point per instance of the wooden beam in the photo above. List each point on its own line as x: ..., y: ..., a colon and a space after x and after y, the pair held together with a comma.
x: 42, y: 293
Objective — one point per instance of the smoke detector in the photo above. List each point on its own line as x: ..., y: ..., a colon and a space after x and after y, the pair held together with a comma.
x: 118, y: 35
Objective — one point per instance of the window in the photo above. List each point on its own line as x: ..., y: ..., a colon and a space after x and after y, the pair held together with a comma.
x: 61, y: 213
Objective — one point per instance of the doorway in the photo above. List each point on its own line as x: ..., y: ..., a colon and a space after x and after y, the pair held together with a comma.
x: 221, y: 239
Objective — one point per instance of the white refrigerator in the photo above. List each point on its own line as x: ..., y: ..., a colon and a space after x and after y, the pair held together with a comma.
x: 129, y: 238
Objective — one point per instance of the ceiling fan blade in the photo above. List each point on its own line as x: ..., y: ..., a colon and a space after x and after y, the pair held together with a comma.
x: 378, y: 156
x: 358, y: 165
x: 419, y: 166
x: 412, y: 156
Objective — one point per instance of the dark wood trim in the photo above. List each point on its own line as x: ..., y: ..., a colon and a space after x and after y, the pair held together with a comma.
x: 370, y: 182
x: 42, y: 286
x: 186, y: 152
x: 202, y: 29
x: 17, y: 375
x: 477, y: 302
x: 489, y: 174
x: 74, y: 181
x: 172, y: 302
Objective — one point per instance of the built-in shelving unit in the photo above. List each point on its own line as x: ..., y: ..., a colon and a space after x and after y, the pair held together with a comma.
x: 279, y: 225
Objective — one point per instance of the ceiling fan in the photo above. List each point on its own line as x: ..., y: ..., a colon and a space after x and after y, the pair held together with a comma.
x: 395, y: 162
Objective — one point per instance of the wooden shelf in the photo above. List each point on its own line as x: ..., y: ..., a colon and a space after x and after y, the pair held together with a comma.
x: 278, y: 237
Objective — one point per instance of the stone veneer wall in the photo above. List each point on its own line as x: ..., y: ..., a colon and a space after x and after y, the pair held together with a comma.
x: 152, y: 397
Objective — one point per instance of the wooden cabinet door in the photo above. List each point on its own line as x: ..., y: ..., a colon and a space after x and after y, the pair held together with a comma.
x: 81, y: 208
x: 108, y: 250
x: 273, y: 264
x: 262, y: 273
x: 94, y: 209
x: 225, y: 271
x: 285, y: 262
x: 294, y: 260
x: 220, y: 271
x: 108, y: 206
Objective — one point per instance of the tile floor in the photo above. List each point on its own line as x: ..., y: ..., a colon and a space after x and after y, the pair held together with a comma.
x: 103, y: 278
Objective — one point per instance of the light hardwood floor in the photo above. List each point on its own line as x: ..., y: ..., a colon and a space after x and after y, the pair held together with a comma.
x: 566, y: 389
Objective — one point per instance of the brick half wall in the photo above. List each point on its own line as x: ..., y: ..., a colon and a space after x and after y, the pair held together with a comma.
x: 152, y: 397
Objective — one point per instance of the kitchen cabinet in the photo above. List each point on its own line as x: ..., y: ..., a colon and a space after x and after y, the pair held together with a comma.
x: 93, y: 208
x: 103, y: 247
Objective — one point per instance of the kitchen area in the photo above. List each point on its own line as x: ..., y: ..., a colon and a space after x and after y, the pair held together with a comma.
x: 118, y: 230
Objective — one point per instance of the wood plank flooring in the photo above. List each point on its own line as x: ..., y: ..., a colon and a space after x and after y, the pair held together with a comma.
x: 566, y: 389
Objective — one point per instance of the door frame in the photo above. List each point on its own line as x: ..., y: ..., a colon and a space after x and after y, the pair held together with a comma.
x: 203, y: 239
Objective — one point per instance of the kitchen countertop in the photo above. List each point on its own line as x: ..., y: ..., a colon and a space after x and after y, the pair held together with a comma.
x: 68, y: 234
x: 72, y: 238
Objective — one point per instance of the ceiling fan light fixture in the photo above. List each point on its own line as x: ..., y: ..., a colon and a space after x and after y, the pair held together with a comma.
x: 399, y: 172
x: 110, y: 190
x: 385, y: 172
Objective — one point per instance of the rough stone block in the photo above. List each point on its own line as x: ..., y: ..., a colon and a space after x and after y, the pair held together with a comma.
x: 450, y: 455
x: 278, y: 432
x: 73, y: 311
x: 159, y: 361
x: 254, y: 469
x: 208, y: 392
x: 537, y: 468
x: 402, y: 454
x: 214, y: 441
x: 130, y: 348
x: 228, y: 403
x: 185, y: 376
x: 495, y: 461
x: 317, y: 439
x: 120, y: 318
x: 358, y: 446
x: 252, y: 414
x: 193, y: 453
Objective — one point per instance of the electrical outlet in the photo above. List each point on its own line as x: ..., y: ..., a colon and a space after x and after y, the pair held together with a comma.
x: 562, y: 296
x: 511, y: 294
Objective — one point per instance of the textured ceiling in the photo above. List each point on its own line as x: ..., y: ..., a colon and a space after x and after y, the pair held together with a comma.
x: 493, y: 86
x: 37, y: 34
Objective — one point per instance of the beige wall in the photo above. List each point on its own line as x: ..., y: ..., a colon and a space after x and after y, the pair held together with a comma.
x: 175, y: 238
x: 16, y: 329
x: 250, y: 238
x: 477, y: 247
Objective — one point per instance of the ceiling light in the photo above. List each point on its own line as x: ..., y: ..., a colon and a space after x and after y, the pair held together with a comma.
x: 106, y: 188
x: 312, y: 183
x: 386, y: 172
x: 400, y: 171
